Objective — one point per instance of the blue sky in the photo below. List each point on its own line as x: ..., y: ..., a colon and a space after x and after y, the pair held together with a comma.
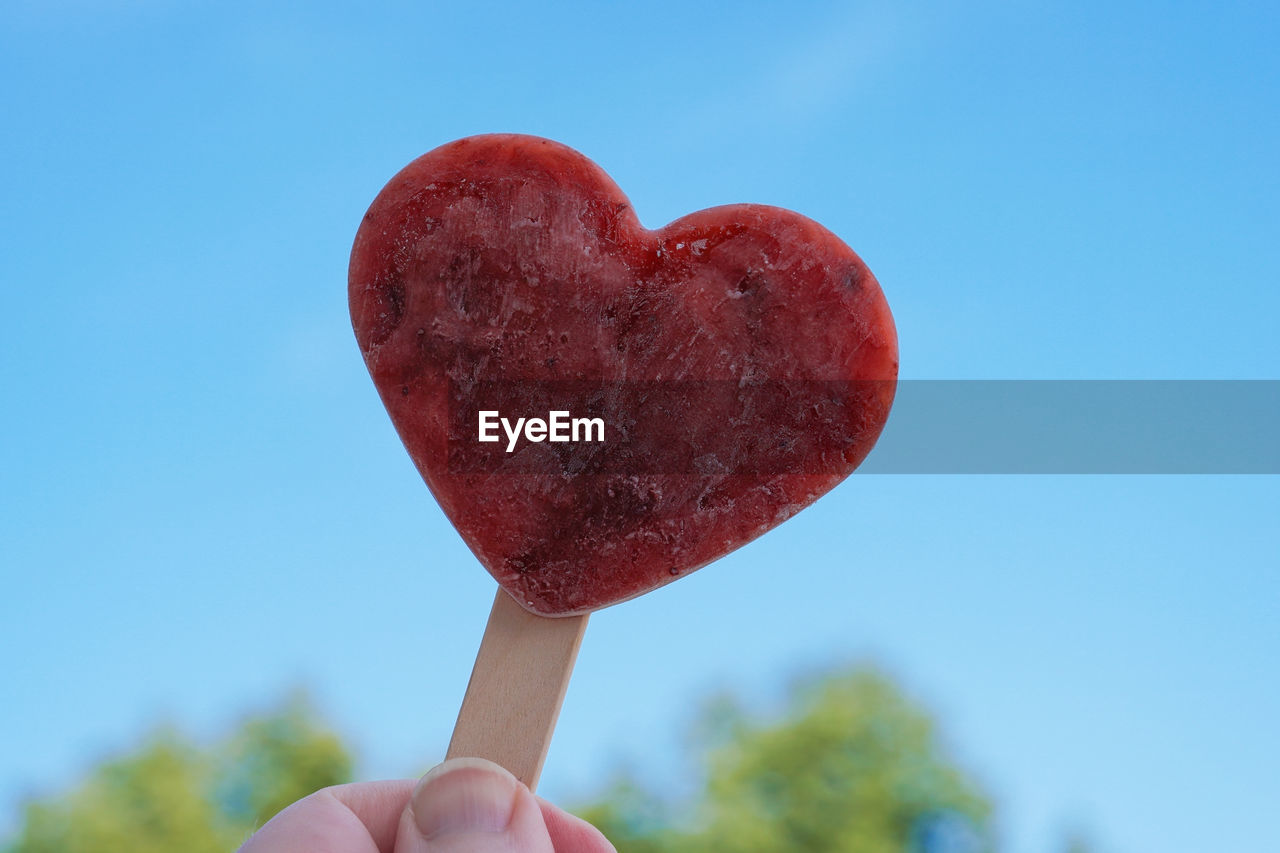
x: 203, y: 502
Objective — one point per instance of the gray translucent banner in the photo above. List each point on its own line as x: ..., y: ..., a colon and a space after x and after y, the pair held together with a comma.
x: 1081, y: 427
x: 722, y: 428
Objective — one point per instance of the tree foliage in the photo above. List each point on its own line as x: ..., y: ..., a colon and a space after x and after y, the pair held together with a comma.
x: 851, y: 766
x: 171, y: 795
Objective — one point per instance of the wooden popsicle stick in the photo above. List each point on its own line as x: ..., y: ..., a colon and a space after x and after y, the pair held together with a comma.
x: 517, y: 685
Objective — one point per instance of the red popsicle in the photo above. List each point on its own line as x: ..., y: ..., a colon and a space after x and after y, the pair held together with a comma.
x: 711, y: 378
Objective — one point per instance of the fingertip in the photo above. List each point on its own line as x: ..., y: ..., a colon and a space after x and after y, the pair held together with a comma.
x: 464, y: 795
x: 570, y: 832
x: 472, y: 804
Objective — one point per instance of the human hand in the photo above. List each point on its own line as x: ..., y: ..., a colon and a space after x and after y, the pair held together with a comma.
x: 467, y: 805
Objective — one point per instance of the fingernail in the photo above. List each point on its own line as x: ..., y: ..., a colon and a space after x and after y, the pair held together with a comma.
x: 464, y: 795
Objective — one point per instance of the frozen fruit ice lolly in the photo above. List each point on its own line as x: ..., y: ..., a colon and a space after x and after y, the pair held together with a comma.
x: 739, y: 363
x: 742, y: 359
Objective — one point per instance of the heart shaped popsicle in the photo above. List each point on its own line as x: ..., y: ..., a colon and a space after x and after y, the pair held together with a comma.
x: 497, y: 269
x: 711, y: 378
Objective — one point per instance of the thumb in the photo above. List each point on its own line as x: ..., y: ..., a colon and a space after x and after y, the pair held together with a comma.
x: 469, y: 805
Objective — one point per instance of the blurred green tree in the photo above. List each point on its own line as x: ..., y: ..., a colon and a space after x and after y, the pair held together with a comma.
x: 171, y: 795
x: 273, y: 760
x: 851, y: 766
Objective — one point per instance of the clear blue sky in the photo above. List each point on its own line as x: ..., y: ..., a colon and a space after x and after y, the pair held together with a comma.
x: 202, y: 501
